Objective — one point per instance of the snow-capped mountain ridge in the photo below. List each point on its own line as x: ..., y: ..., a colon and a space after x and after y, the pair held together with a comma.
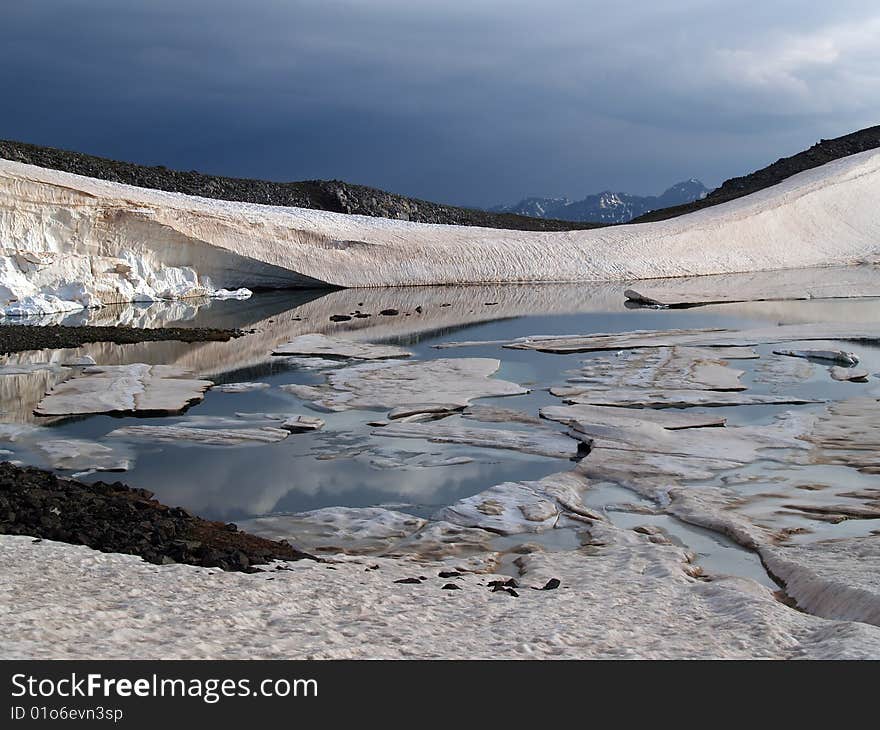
x: 607, y: 206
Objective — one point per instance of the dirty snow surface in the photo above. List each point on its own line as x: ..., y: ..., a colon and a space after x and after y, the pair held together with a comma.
x: 628, y: 598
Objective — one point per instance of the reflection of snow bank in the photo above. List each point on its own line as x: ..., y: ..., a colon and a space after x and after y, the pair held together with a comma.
x: 39, y: 283
x: 820, y: 217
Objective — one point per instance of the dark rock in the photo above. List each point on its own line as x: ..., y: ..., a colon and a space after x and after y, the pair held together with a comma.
x: 15, y: 338
x: 409, y: 581
x: 389, y: 312
x: 114, y: 518
x: 509, y: 583
x: 501, y: 588
x: 451, y: 587
x: 449, y: 574
x: 550, y: 585
x: 339, y: 318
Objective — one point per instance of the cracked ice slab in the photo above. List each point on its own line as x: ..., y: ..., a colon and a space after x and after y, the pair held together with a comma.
x: 136, y: 388
x: 81, y: 455
x: 670, y: 398
x: 835, y: 579
x: 373, y: 531
x: 541, y: 443
x: 666, y: 367
x: 390, y: 384
x: 817, y: 283
x: 711, y: 337
x: 521, y: 507
x: 204, y: 436
x: 315, y: 344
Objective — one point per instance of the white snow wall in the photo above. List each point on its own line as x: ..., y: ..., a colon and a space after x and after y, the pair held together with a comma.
x: 59, y: 228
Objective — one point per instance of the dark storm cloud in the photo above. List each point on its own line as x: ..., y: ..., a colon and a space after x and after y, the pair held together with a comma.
x: 470, y: 102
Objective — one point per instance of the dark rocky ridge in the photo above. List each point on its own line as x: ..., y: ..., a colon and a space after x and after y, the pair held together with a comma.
x: 332, y: 195
x: 821, y: 153
x: 19, y: 338
x: 114, y: 518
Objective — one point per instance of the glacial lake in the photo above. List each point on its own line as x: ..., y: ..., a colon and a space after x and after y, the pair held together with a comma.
x: 345, y: 464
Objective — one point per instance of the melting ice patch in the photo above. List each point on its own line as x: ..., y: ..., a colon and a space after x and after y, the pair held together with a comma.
x: 42, y: 283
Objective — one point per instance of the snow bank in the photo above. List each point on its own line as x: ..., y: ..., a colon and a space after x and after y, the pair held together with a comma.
x: 627, y: 598
x: 176, y: 244
x: 47, y: 282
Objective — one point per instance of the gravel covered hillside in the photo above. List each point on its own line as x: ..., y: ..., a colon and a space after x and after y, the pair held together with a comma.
x: 332, y: 195
x: 821, y: 153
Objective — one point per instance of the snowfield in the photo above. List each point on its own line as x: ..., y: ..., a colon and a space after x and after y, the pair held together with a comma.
x: 68, y: 241
x: 627, y: 597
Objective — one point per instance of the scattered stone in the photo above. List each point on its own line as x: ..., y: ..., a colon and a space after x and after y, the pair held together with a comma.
x: 503, y: 589
x: 339, y: 318
x: 449, y: 574
x: 510, y: 583
x: 451, y: 587
x: 389, y: 312
x: 410, y: 581
x: 550, y: 585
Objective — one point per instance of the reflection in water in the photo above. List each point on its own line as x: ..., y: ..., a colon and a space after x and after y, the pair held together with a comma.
x: 343, y: 464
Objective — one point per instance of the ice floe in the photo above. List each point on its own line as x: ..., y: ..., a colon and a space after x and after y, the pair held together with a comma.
x: 671, y: 398
x: 665, y: 367
x: 522, y: 507
x: 539, y: 442
x: 316, y: 344
x: 244, y: 387
x: 390, y: 384
x: 137, y: 388
x: 204, y: 436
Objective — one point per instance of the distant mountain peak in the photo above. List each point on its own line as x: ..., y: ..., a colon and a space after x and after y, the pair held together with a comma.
x: 607, y: 206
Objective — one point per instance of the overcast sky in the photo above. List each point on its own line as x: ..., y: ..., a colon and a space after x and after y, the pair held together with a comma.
x: 475, y: 102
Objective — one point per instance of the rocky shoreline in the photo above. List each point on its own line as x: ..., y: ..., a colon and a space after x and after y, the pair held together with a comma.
x: 20, y: 338
x: 115, y: 518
